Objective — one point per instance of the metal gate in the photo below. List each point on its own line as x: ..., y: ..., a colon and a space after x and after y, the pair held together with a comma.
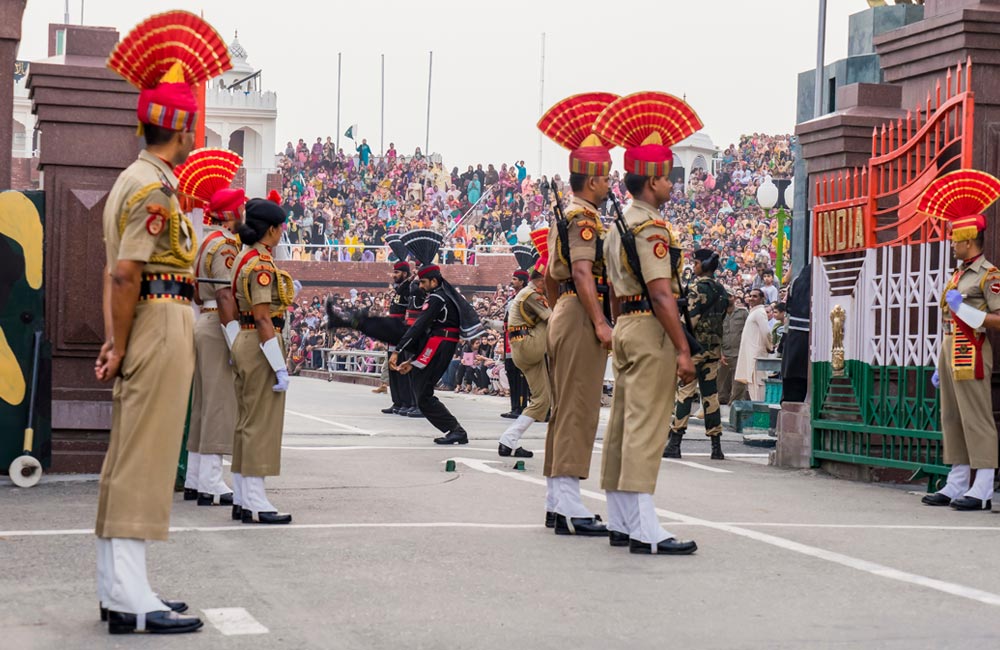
x: 878, y: 273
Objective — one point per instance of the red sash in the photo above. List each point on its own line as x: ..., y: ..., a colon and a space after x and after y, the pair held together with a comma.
x: 236, y: 276
x: 431, y: 348
x: 204, y: 247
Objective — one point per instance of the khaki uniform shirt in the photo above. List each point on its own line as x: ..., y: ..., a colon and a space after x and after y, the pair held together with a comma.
x: 257, y: 281
x: 216, y: 259
x: 979, y: 283
x: 653, y: 241
x: 585, y: 232
x: 143, y: 221
x: 528, y: 308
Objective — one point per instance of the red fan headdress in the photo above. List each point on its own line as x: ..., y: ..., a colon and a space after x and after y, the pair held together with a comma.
x: 570, y: 124
x: 647, y: 124
x: 961, y: 197
x: 205, y: 179
x: 162, y: 57
x: 540, y: 238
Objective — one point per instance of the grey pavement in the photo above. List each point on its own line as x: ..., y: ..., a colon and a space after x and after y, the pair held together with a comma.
x: 388, y: 550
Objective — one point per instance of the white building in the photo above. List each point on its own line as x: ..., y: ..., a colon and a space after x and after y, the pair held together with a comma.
x: 695, y: 152
x: 239, y: 115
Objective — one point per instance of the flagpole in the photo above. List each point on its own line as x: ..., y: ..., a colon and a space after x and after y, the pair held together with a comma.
x: 381, y: 146
x: 339, y: 57
x: 427, y: 133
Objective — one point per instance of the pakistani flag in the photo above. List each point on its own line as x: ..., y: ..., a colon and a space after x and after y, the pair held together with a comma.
x: 351, y: 131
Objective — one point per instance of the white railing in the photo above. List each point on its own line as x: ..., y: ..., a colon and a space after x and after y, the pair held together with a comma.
x: 332, y: 253
x: 353, y: 363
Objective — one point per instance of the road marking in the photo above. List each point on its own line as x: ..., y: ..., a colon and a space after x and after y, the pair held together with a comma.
x: 688, y: 463
x: 232, y: 621
x: 342, y: 427
x: 243, y: 527
x: 366, y: 447
x: 873, y: 568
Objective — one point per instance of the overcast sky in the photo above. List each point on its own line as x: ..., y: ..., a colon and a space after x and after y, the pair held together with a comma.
x: 736, y: 61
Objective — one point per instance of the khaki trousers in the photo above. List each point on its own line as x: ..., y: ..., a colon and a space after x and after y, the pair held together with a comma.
x: 970, y: 434
x: 645, y: 365
x: 261, y: 419
x: 529, y: 357
x: 576, y: 370
x: 149, y: 405
x: 213, y: 397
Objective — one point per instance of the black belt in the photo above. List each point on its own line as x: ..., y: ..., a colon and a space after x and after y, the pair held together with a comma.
x: 446, y: 332
x: 518, y: 333
x: 568, y: 287
x: 247, y: 321
x: 642, y: 306
x: 169, y: 286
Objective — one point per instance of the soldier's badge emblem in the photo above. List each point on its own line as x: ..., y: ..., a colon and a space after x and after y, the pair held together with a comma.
x: 587, y: 233
x: 264, y: 278
x: 155, y: 224
x: 660, y: 250
x: 995, y: 288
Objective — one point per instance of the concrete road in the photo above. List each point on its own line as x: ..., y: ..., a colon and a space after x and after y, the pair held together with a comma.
x: 390, y: 551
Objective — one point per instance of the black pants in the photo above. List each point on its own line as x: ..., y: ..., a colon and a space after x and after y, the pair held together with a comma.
x: 425, y: 379
x: 382, y: 328
x: 400, y: 390
x: 518, y: 386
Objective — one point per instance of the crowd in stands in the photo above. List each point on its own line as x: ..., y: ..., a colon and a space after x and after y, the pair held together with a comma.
x: 347, y: 202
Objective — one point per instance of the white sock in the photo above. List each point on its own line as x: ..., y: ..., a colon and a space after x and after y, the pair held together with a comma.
x: 648, y: 528
x: 238, y: 490
x: 193, y: 469
x: 105, y: 570
x: 210, y: 475
x: 958, y: 481
x: 512, y: 436
x: 551, y: 499
x: 569, y: 503
x: 621, y: 511
x: 255, y: 496
x: 982, y: 488
x: 130, y: 591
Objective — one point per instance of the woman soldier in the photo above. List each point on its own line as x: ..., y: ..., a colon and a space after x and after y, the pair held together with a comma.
x: 263, y: 293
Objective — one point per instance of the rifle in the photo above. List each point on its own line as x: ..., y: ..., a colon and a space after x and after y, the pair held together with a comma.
x: 632, y: 255
x: 562, y: 227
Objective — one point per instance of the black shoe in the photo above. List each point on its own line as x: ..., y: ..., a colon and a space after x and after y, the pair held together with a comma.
x: 205, y: 499
x: 404, y: 411
x: 156, y: 623
x: 717, y: 448
x: 669, y: 546
x: 390, y: 410
x: 971, y: 503
x: 266, y: 517
x: 521, y: 452
x: 550, y: 519
x: 582, y: 526
x: 174, y: 605
x: 415, y: 413
x: 510, y: 415
x: 335, y: 318
x: 618, y: 539
x: 673, y: 449
x: 190, y: 494
x: 456, y: 437
x: 504, y: 450
x: 237, y: 512
x: 936, y: 499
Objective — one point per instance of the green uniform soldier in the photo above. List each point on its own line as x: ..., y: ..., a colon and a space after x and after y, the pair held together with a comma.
x: 707, y: 304
x: 965, y: 362
x: 650, y: 347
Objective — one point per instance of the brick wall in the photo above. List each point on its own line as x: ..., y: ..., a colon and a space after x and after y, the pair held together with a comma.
x: 24, y: 174
x: 319, y: 278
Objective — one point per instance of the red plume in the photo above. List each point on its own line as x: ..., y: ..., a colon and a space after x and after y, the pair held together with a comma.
x: 274, y: 196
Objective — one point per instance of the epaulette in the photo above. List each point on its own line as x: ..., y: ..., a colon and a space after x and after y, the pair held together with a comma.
x: 264, y: 257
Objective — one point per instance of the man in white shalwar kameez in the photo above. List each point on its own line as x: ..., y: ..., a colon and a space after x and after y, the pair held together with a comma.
x: 755, y: 342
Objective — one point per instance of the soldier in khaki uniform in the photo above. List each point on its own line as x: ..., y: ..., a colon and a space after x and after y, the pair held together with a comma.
x: 148, y: 321
x: 528, y: 329
x: 263, y: 294
x: 965, y: 363
x: 650, y: 348
x: 579, y: 333
x: 707, y: 303
x: 205, y: 179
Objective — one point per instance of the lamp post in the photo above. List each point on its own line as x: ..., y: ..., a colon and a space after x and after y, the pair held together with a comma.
x: 767, y: 198
x: 778, y: 193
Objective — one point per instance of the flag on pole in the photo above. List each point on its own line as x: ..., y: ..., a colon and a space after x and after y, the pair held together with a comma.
x: 351, y: 130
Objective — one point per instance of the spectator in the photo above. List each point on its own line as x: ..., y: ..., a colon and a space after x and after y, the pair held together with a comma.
x: 755, y: 342
x: 364, y: 152
x: 770, y: 291
x: 732, y: 332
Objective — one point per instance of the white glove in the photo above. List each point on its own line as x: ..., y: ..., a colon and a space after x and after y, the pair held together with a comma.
x: 971, y: 316
x: 298, y: 288
x: 231, y: 330
x: 282, y: 384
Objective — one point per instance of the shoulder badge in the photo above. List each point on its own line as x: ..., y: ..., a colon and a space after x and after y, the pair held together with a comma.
x: 995, y: 287
x: 230, y: 257
x: 264, y: 278
x: 660, y: 249
x: 157, y: 219
x: 659, y: 239
x: 586, y: 233
x: 264, y: 257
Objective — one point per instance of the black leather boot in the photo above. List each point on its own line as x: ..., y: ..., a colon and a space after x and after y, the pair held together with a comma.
x: 716, y: 448
x: 673, y: 449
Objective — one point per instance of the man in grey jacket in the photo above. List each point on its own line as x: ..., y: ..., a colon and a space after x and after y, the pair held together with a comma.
x: 732, y: 330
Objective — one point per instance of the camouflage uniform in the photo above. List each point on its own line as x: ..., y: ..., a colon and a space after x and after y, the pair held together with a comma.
x: 707, y: 302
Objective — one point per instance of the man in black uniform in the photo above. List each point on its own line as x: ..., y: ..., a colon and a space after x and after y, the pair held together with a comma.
x: 795, y: 352
x: 445, y: 319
